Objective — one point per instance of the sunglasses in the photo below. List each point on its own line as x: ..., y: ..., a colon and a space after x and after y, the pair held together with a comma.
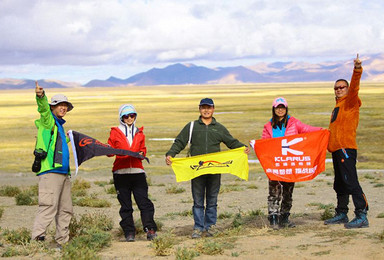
x: 337, y: 88
x: 129, y: 115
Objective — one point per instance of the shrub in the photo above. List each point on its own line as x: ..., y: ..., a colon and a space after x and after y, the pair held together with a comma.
x: 229, y: 188
x: 90, y: 221
x: 17, y: 237
x: 87, y: 244
x: 380, y: 215
x: 101, y: 183
x: 185, y: 254
x: 225, y: 215
x: 185, y: 213
x: 14, y: 251
x: 252, y: 186
x: 24, y: 198
x: 9, y: 191
x: 163, y: 244
x: 33, y: 190
x: 257, y: 212
x: 381, y: 236
x: 93, y: 238
x: 327, y: 214
x: 80, y: 184
x: 320, y: 253
x: 91, y: 201
x: 173, y: 189
x: 78, y: 193
x: 1, y: 212
x: 70, y: 252
x: 368, y: 176
x: 209, y: 247
x: 111, y: 190
x: 321, y: 205
x: 237, y: 221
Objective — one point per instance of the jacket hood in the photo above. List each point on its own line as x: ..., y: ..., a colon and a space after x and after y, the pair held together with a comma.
x: 125, y: 110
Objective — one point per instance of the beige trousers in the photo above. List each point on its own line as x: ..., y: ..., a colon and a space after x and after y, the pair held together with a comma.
x: 55, y: 202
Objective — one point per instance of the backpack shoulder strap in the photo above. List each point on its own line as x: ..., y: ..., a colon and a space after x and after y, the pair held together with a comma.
x: 190, y: 132
x: 190, y: 138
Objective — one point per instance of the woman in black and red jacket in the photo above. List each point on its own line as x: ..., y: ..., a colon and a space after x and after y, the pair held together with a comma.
x: 129, y: 175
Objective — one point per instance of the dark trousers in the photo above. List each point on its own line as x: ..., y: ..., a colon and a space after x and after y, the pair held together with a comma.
x: 125, y: 185
x: 346, y: 181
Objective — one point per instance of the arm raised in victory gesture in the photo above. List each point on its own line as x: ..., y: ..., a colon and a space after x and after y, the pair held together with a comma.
x: 39, y: 90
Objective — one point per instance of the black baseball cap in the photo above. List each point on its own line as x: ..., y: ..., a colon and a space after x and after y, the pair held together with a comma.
x: 207, y: 101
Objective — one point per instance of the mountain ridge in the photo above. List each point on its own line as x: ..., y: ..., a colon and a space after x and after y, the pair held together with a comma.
x: 189, y: 74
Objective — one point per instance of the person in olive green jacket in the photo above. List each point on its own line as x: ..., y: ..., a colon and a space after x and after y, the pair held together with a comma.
x: 207, y: 135
x: 52, y: 168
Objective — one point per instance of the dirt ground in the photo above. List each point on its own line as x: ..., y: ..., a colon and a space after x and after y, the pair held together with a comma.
x: 310, y: 239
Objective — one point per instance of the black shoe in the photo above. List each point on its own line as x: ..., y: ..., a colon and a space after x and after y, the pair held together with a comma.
x: 274, y: 221
x: 151, y: 234
x: 40, y: 238
x: 130, y: 237
x: 284, y: 221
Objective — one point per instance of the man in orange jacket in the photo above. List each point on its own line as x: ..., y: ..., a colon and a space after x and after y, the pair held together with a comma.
x: 342, y: 145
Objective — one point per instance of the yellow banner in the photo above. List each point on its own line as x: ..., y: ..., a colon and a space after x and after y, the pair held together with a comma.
x: 233, y: 161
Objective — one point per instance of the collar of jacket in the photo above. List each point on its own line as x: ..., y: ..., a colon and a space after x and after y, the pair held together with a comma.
x: 212, y: 123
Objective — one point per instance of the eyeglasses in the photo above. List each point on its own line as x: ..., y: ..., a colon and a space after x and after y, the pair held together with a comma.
x: 337, y: 88
x: 129, y: 115
x: 283, y: 108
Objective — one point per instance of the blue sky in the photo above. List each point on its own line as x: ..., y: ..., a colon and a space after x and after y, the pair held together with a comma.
x: 80, y: 40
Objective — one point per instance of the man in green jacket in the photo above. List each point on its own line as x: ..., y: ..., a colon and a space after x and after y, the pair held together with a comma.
x: 207, y: 135
x: 52, y: 167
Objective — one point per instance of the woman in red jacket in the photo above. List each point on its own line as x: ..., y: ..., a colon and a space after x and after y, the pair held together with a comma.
x: 129, y: 175
x: 282, y: 124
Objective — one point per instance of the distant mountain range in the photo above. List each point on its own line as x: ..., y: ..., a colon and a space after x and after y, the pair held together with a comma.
x: 183, y: 74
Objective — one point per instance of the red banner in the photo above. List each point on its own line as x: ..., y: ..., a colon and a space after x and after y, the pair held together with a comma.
x: 293, y: 158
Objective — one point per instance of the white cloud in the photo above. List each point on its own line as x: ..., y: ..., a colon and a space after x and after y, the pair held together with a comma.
x: 126, y: 33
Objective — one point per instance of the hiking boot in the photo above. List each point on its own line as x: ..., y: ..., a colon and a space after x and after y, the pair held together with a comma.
x: 196, y: 233
x: 212, y: 231
x: 274, y: 221
x: 284, y: 221
x: 360, y: 220
x: 151, y: 234
x: 339, y: 218
x: 40, y: 238
x: 130, y: 237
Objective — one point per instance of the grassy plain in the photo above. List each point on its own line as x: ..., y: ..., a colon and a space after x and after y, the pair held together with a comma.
x: 242, y: 206
x: 164, y: 110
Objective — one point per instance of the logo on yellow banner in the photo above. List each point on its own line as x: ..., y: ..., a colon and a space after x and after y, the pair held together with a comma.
x: 233, y: 162
x: 210, y: 164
